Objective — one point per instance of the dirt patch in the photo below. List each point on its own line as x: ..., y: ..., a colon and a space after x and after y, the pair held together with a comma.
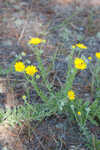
x: 80, y: 2
x: 61, y: 24
x: 9, y: 137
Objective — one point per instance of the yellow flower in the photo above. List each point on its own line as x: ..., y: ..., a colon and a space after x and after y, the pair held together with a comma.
x: 89, y: 58
x: 80, y: 63
x: 31, y: 70
x: 73, y: 46
x: 24, y: 97
x: 36, y: 41
x: 19, y: 66
x: 71, y: 95
x: 79, y: 113
x: 98, y: 55
x: 82, y: 46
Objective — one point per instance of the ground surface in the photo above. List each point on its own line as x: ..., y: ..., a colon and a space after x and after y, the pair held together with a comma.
x: 61, y: 23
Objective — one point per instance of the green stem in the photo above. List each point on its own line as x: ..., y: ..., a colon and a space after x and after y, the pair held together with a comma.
x: 70, y: 80
x: 39, y: 92
x: 43, y: 72
x: 92, y: 85
x: 87, y: 134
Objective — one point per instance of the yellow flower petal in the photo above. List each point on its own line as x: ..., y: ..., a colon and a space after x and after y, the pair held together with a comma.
x: 36, y: 41
x: 24, y: 97
x: 31, y: 70
x: 89, y: 58
x: 19, y: 66
x: 97, y: 55
x: 79, y: 113
x: 82, y: 46
x: 71, y: 95
x: 80, y: 63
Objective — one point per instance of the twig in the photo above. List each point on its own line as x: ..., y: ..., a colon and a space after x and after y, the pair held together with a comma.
x: 93, y: 139
x: 21, y: 35
x: 26, y: 22
x: 39, y: 140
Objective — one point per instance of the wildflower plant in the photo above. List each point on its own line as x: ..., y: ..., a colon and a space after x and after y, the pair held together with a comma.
x: 95, y: 71
x: 53, y: 101
x: 63, y: 100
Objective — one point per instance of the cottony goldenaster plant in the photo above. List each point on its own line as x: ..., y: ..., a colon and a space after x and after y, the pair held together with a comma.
x: 63, y: 100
